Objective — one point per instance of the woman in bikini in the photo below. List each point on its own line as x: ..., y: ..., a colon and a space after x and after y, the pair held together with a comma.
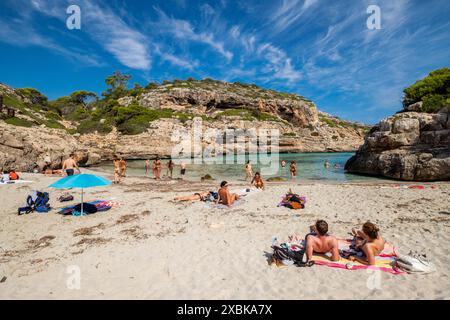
x: 201, y: 196
x: 170, y: 166
x: 157, y: 168
x: 370, y: 242
x: 293, y: 169
x: 258, y: 181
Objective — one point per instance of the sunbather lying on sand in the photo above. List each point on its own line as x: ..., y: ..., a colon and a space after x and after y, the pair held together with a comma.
x: 318, y: 241
x: 369, y: 241
x: 201, y: 196
x: 225, y: 196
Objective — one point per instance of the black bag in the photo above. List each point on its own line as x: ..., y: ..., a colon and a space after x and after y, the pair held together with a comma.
x: 65, y: 198
x: 87, y: 208
x: 281, y: 254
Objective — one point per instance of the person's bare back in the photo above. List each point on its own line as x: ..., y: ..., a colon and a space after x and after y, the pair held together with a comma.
x: 321, y: 242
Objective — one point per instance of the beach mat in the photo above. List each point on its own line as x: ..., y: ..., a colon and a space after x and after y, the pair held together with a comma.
x: 15, y: 182
x: 212, y: 205
x: 101, y: 206
x: 384, y: 262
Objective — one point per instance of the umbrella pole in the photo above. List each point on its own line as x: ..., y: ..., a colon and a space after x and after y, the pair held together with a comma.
x: 82, y: 211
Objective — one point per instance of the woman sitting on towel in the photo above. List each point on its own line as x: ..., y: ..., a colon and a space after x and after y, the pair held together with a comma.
x: 258, y: 181
x: 369, y: 241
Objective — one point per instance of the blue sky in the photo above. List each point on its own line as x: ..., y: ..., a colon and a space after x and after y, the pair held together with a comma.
x: 321, y: 49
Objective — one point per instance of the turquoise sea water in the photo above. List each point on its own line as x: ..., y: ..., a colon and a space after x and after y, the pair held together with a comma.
x: 310, y: 166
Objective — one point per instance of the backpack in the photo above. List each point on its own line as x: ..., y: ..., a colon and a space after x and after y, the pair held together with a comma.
x: 284, y: 255
x: 36, y: 201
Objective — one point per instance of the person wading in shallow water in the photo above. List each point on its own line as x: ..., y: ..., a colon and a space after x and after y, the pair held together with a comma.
x: 183, y: 169
x: 293, y: 169
x: 248, y: 171
x: 170, y: 166
x: 147, y: 166
x: 157, y: 168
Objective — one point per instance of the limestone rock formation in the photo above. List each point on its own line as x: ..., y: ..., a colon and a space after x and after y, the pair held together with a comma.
x: 410, y: 146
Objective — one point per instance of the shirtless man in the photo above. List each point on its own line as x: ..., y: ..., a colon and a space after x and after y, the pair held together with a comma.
x: 370, y: 242
x: 320, y: 242
x: 70, y: 165
x: 225, y: 196
x: 117, y: 172
x: 183, y: 169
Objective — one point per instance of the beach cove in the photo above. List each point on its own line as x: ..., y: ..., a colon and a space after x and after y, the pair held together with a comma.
x: 152, y: 248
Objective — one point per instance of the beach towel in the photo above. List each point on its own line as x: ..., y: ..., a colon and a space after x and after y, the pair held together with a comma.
x: 384, y: 262
x: 14, y: 182
x: 99, y: 204
x: 212, y: 205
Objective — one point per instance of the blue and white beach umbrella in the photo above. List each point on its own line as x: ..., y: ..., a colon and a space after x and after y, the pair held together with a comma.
x: 80, y: 181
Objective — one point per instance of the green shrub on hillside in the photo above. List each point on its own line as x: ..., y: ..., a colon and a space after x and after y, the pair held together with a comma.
x: 19, y: 122
x: 433, y: 90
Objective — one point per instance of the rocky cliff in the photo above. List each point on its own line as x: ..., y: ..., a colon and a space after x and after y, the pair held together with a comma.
x: 408, y: 146
x: 42, y: 131
x: 414, y: 144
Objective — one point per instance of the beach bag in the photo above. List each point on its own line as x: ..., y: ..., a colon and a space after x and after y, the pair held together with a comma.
x: 65, y: 198
x: 288, y: 257
x: 415, y: 263
x: 41, y: 204
x: 295, y: 202
x: 36, y: 201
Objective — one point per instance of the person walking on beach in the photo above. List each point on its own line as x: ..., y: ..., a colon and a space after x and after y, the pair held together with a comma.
x: 170, y: 166
x: 225, y: 196
x: 157, y: 168
x: 319, y: 241
x: 248, y: 171
x: 183, y: 169
x: 70, y: 165
x: 293, y: 169
x: 147, y: 166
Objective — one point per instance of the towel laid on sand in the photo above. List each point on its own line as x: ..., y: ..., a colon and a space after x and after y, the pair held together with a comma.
x: 99, y: 204
x: 14, y: 182
x: 212, y: 205
x: 384, y: 262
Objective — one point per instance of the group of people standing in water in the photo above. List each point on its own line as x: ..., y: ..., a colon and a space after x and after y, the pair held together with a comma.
x: 170, y: 166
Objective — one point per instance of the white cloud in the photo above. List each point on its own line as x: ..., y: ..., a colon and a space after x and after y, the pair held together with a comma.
x: 183, y: 30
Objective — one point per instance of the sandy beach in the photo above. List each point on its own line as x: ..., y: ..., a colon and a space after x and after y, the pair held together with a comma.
x: 151, y: 248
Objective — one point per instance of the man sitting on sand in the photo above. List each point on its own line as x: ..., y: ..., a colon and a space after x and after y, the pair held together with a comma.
x: 318, y: 241
x: 225, y: 196
x: 70, y: 165
x: 370, y: 242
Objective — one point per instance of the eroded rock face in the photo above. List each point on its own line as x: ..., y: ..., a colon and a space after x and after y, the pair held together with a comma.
x: 297, y: 112
x: 408, y: 146
x: 24, y: 149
